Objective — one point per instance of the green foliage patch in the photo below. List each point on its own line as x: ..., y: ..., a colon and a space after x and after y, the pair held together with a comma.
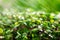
x: 30, y: 26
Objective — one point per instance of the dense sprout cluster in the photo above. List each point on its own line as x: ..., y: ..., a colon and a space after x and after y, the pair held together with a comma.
x: 30, y: 26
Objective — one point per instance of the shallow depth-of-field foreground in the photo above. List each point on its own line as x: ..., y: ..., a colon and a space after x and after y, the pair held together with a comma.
x: 29, y: 25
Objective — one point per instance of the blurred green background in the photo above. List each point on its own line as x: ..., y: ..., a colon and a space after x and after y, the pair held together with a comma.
x: 45, y: 5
